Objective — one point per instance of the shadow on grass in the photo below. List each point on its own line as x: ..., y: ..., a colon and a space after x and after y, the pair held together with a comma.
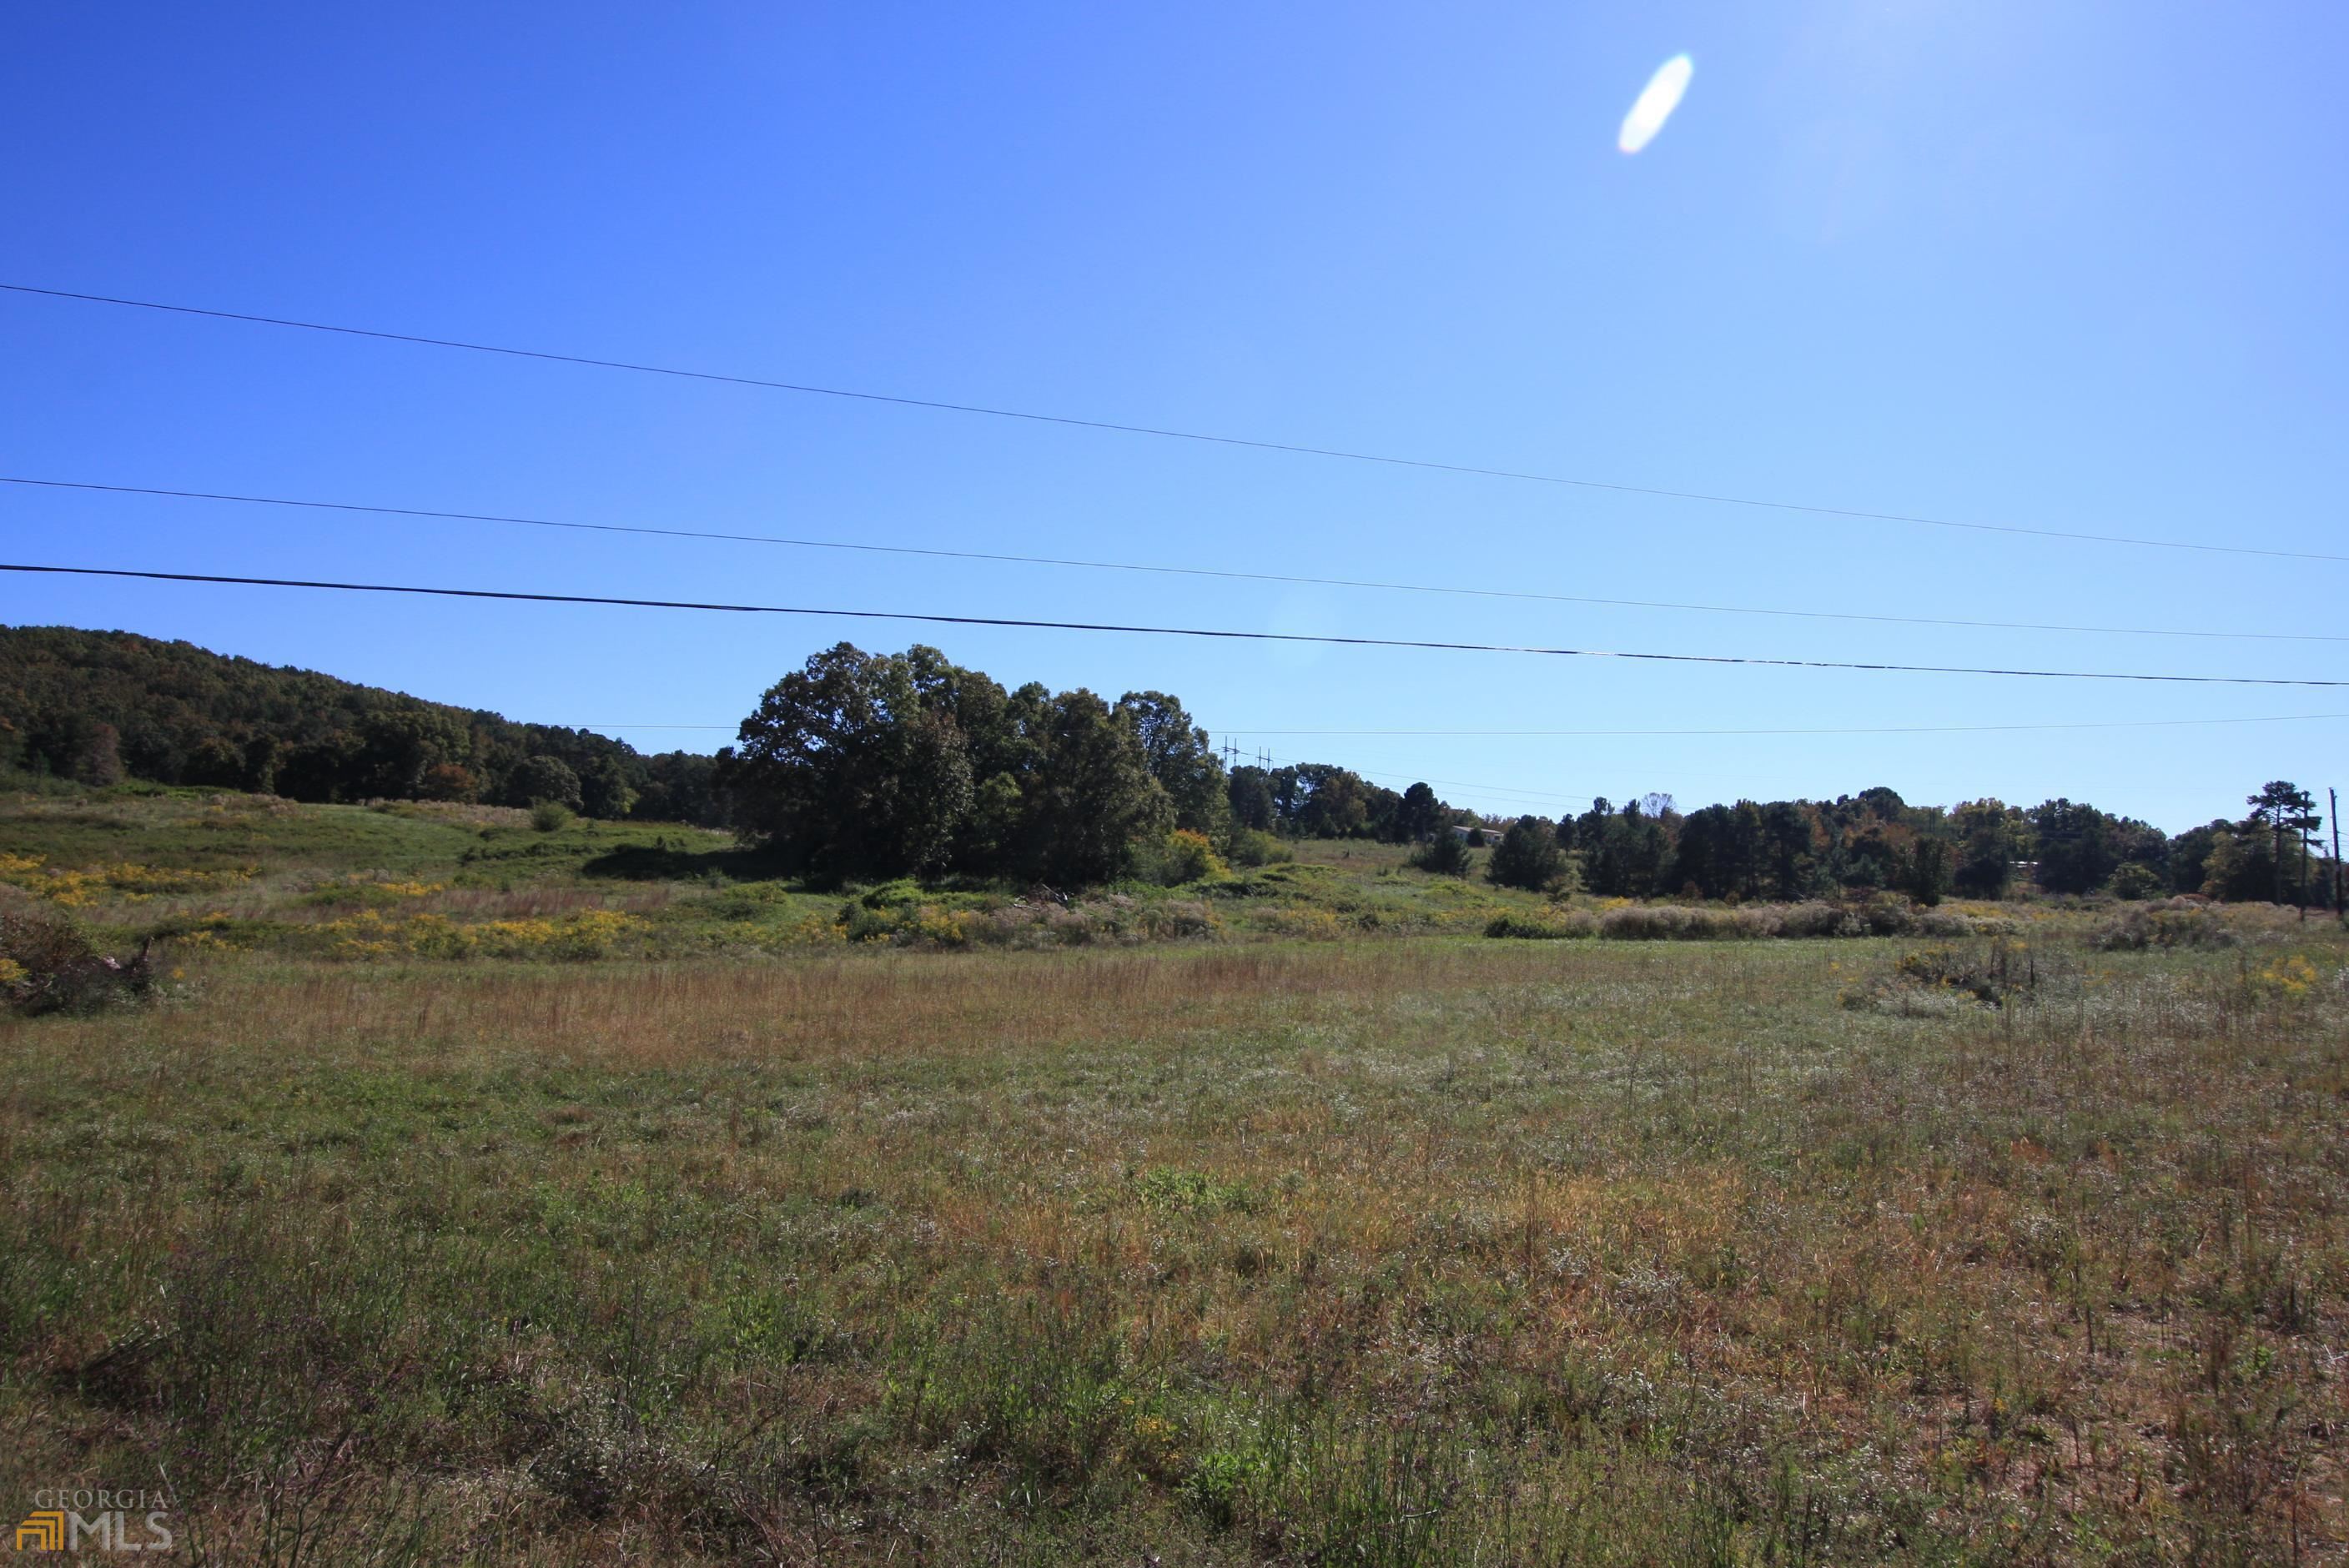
x: 659, y: 862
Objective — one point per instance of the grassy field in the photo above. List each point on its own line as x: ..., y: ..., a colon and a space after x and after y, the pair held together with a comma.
x: 1324, y: 1230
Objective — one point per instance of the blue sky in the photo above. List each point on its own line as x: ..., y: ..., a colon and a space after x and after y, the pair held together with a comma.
x: 2072, y: 267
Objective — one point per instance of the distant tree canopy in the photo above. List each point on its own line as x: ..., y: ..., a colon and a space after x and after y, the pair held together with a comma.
x: 1527, y: 856
x: 1992, y: 837
x: 1178, y: 756
x: 1787, y: 850
x: 2078, y: 846
x: 1322, y: 801
x: 546, y: 778
x: 99, y: 705
x: 2285, y: 810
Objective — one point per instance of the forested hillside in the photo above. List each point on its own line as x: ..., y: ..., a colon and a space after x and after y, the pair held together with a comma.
x: 99, y: 706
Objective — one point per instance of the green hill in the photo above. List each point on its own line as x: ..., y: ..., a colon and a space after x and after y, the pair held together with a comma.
x: 97, y: 706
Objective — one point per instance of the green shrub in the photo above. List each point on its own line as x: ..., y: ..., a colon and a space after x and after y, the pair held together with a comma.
x: 549, y: 816
x: 896, y: 895
x: 1218, y: 1483
x: 1445, y: 855
x: 1184, y: 856
x: 546, y: 778
x: 1527, y: 857
x: 1193, y: 1192
x: 1251, y: 847
x: 1557, y: 926
x: 2161, y: 927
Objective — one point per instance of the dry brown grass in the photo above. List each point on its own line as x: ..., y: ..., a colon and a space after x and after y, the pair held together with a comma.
x: 1407, y: 1251
x: 858, y: 1004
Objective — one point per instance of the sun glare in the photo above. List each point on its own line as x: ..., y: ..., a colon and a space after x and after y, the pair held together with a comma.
x: 1656, y: 103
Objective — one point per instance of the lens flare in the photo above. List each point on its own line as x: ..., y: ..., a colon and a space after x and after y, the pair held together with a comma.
x: 1656, y: 103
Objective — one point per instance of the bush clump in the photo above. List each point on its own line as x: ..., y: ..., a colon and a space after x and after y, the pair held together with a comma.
x: 1811, y: 919
x: 1678, y: 922
x: 48, y: 965
x: 1934, y: 980
x: 900, y: 914
x: 1873, y: 917
x: 549, y: 816
x: 1184, y: 856
x: 1527, y: 857
x: 1193, y: 1192
x: 1559, y: 925
x: 1445, y: 855
x: 1880, y: 916
x: 1253, y: 848
x: 2161, y: 925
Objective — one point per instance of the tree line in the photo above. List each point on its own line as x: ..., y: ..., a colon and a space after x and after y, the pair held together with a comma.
x: 908, y: 765
x: 883, y: 765
x: 99, y: 706
x: 1783, y: 851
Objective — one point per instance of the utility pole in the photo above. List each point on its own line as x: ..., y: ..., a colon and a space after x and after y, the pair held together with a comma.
x: 2332, y: 802
x: 2304, y: 826
x: 2275, y: 857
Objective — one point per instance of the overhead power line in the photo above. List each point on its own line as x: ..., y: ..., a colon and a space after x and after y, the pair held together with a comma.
x: 1853, y: 729
x: 1657, y: 734
x: 1329, y: 640
x: 1496, y: 791
x: 1389, y: 777
x: 1031, y: 417
x: 1222, y: 574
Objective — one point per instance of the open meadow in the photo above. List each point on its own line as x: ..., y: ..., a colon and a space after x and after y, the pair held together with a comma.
x: 472, y: 1193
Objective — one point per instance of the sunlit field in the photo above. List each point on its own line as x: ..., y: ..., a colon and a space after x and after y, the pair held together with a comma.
x: 1397, y: 1246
